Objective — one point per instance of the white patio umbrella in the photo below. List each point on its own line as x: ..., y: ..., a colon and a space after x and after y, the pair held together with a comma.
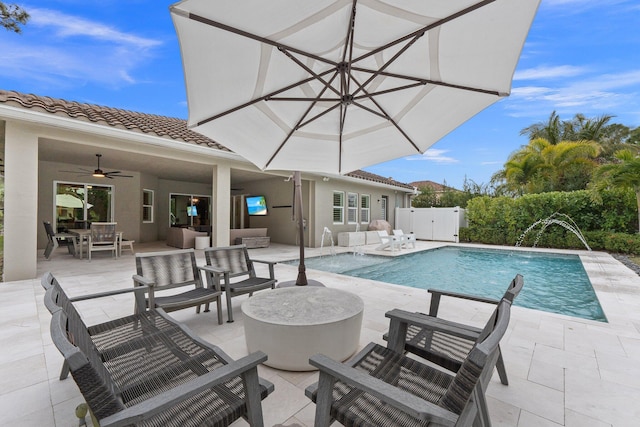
x: 331, y: 86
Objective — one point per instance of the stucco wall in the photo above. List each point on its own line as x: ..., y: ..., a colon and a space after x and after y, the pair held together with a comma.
x: 127, y: 201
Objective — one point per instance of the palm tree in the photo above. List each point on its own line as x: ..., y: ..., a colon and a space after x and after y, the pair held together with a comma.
x: 553, y: 130
x: 541, y: 166
x: 624, y: 173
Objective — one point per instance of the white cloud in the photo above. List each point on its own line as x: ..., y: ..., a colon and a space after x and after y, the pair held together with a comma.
x: 606, y: 93
x: 545, y: 72
x: 66, y: 26
x: 434, y: 155
x: 62, y: 50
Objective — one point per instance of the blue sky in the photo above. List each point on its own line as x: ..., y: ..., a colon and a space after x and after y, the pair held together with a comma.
x: 581, y: 56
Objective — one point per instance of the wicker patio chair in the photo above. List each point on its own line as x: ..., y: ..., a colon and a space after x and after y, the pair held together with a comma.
x: 383, y: 387
x: 233, y: 265
x: 147, y: 369
x: 447, y: 343
x: 169, y: 270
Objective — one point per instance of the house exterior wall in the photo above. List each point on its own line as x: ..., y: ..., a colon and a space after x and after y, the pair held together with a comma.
x: 324, y: 204
x: 127, y: 201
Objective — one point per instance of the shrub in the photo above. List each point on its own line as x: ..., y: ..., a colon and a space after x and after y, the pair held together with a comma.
x: 606, y: 226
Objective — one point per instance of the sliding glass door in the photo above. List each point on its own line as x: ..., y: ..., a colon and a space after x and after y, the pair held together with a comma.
x: 77, y: 205
x: 189, y: 210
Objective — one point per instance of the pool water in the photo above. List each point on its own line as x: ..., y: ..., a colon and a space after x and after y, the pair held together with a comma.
x: 552, y: 282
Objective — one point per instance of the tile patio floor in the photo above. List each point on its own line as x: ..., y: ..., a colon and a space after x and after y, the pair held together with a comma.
x: 563, y: 371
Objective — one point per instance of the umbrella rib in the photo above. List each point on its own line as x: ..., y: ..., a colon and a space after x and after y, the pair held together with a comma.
x: 262, y: 98
x: 389, y: 62
x: 212, y: 23
x: 433, y: 82
x: 308, y: 70
x: 387, y: 116
x: 426, y: 28
x: 298, y: 125
x: 349, y: 43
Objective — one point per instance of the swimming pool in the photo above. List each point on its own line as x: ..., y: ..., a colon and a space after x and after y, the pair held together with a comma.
x: 555, y: 283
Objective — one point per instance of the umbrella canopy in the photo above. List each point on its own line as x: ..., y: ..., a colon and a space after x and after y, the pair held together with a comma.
x: 334, y: 85
x: 69, y: 201
x: 331, y: 86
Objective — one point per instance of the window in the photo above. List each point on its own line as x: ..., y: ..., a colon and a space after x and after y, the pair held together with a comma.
x: 147, y: 205
x: 365, y: 208
x: 338, y: 207
x: 352, y: 208
x: 77, y: 205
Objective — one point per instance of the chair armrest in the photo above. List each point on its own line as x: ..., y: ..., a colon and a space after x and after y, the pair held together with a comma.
x: 169, y: 398
x: 142, y: 281
x: 271, y: 265
x: 212, y: 269
x: 436, y: 294
x: 138, y: 290
x: 401, y: 319
x: 264, y: 261
x: 405, y: 401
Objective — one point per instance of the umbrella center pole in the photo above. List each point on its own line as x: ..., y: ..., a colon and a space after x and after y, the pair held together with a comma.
x: 297, y: 182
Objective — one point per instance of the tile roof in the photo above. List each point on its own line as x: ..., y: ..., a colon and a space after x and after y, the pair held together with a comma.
x: 434, y: 185
x: 162, y: 126
x: 368, y: 176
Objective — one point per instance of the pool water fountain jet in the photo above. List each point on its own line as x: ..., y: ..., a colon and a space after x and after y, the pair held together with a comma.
x: 327, y: 232
x: 567, y: 223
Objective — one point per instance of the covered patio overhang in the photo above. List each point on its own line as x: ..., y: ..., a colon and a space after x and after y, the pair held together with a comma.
x: 38, y: 146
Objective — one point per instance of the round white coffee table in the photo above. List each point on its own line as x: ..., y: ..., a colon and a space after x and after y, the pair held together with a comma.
x: 292, y: 324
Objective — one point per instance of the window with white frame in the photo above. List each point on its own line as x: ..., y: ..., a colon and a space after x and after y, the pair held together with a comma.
x: 365, y: 208
x: 147, y: 206
x: 352, y: 208
x: 338, y: 207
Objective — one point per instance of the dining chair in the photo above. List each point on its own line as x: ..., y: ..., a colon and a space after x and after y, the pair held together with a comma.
x: 54, y: 240
x: 103, y: 237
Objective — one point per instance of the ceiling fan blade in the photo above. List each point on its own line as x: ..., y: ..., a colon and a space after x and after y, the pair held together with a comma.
x: 116, y: 174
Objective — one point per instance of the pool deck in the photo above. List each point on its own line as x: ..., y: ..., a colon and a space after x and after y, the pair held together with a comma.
x: 563, y: 371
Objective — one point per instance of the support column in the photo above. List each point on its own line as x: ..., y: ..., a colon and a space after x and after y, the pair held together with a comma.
x: 20, y: 203
x: 221, y: 202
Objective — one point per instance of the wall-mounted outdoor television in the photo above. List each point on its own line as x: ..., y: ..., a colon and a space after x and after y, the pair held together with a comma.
x: 192, y: 211
x: 256, y: 205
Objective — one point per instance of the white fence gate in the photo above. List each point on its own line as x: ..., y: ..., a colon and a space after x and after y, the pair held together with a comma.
x: 441, y: 224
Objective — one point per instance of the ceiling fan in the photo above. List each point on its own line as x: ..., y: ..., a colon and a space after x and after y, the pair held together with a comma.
x: 99, y: 173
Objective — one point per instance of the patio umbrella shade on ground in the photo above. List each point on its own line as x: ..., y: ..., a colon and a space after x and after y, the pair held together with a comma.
x: 331, y: 86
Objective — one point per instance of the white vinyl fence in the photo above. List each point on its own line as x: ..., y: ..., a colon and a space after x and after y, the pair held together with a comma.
x: 441, y: 224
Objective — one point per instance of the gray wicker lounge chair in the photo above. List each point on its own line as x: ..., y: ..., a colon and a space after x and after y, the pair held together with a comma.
x: 163, y: 271
x: 383, y: 387
x: 231, y: 263
x: 148, y: 369
x: 447, y: 343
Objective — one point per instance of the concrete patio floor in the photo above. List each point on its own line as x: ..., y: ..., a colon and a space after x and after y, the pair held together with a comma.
x: 563, y: 371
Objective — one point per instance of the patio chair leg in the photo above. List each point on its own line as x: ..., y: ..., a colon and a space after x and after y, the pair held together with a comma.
x: 219, y: 305
x: 502, y: 372
x: 64, y: 372
x: 229, y: 309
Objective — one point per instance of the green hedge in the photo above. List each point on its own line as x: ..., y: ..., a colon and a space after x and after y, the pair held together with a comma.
x: 611, y: 225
